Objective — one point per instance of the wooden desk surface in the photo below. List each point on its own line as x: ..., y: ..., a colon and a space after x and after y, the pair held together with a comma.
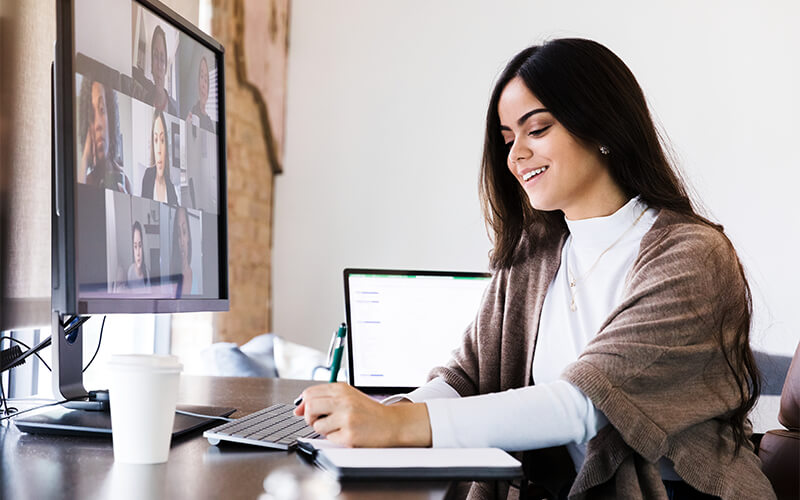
x: 53, y: 467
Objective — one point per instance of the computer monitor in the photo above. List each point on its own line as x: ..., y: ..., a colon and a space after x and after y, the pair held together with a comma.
x: 139, y: 194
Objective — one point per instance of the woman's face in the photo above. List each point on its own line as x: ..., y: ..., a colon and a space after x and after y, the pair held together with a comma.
x: 159, y: 147
x: 557, y: 170
x: 183, y: 234
x: 99, y: 128
x: 138, y: 249
x: 202, y: 82
x: 159, y: 62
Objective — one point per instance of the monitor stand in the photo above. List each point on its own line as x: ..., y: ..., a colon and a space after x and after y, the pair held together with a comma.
x: 87, y: 413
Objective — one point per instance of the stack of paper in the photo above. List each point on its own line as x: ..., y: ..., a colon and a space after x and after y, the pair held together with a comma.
x: 422, y: 463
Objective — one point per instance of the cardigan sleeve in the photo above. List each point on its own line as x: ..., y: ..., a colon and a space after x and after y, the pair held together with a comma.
x: 656, y: 368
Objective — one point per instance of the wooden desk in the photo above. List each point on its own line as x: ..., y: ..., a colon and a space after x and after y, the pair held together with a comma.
x: 53, y: 467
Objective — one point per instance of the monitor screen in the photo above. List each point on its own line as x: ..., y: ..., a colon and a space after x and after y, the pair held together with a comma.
x: 404, y: 323
x: 148, y: 161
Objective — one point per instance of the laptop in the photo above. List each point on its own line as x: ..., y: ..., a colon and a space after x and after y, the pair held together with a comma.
x: 401, y: 324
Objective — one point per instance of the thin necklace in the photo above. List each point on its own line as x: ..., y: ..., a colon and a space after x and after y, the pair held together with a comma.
x: 573, y: 282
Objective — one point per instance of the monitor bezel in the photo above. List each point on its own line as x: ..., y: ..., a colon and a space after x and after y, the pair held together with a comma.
x: 66, y: 298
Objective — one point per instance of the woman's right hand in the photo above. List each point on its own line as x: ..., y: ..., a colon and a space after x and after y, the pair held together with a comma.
x: 346, y: 416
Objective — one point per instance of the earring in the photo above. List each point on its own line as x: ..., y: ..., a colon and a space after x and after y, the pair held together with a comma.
x: 604, y: 150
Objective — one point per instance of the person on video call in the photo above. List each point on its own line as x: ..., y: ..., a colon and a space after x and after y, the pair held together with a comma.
x: 156, y: 183
x: 138, y: 279
x: 612, y: 342
x: 159, y: 97
x: 199, y: 108
x: 100, y: 163
x: 182, y: 252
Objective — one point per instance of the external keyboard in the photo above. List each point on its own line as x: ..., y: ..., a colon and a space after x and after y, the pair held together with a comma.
x: 273, y: 427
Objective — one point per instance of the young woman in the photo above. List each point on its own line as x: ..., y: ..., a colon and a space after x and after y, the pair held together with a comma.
x: 159, y: 97
x: 99, y: 165
x: 613, y: 340
x: 156, y: 183
x: 199, y: 108
x: 138, y: 279
x: 182, y: 252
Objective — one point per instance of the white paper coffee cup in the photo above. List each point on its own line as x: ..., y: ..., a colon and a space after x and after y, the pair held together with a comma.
x: 143, y: 391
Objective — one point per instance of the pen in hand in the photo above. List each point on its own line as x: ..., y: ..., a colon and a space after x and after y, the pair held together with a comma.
x: 337, y: 358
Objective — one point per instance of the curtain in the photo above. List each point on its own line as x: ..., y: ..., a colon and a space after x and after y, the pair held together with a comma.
x: 27, y: 34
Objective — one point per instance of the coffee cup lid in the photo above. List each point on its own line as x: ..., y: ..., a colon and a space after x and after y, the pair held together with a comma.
x: 151, y: 362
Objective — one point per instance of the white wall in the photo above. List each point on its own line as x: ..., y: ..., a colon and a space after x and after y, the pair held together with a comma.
x: 386, y: 104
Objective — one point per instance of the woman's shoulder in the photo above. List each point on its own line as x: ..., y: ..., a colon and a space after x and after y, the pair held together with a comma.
x: 148, y: 182
x: 674, y: 231
x: 172, y: 192
x: 149, y: 173
x: 679, y: 243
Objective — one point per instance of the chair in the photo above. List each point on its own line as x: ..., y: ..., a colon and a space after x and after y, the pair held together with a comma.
x: 779, y: 449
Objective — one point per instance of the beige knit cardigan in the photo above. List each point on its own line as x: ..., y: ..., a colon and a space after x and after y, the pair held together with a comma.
x: 654, y: 369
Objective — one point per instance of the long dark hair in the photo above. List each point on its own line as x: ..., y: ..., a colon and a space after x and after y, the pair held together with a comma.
x: 594, y: 95
x: 177, y: 263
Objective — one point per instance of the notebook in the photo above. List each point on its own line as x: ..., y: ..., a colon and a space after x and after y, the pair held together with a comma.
x: 411, y: 463
x: 401, y: 324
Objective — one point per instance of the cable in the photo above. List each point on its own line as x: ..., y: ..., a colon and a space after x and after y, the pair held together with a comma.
x: 74, y: 323
x: 38, y: 347
x: 3, y: 399
x: 23, y: 344
x: 16, y: 414
x: 102, y: 326
x: 200, y: 415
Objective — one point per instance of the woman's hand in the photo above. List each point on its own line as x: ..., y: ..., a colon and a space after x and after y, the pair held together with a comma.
x: 87, y: 158
x: 123, y: 185
x: 348, y: 417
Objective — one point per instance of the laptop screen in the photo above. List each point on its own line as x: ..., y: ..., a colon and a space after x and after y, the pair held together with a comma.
x: 401, y: 324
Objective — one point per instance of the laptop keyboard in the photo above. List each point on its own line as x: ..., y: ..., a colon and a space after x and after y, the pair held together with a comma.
x: 273, y: 427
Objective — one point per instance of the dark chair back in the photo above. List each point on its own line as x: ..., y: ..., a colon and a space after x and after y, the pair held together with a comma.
x: 779, y: 449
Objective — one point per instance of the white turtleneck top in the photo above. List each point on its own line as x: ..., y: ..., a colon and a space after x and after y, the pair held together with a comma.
x: 552, y: 412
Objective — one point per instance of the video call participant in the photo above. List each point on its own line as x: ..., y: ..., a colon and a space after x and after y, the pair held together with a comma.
x: 199, y: 108
x: 182, y: 252
x: 156, y: 184
x: 159, y: 97
x: 99, y: 164
x: 138, y: 278
x: 613, y: 341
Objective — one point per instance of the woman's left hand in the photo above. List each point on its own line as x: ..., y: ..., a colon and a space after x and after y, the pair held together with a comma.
x: 348, y: 417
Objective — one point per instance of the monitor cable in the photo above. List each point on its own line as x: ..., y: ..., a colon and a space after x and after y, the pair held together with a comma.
x: 99, y: 341
x: 6, y: 410
x: 70, y: 331
x: 200, y: 415
x: 19, y: 359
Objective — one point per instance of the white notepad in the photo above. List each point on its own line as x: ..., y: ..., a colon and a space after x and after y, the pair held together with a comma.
x: 423, y: 463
